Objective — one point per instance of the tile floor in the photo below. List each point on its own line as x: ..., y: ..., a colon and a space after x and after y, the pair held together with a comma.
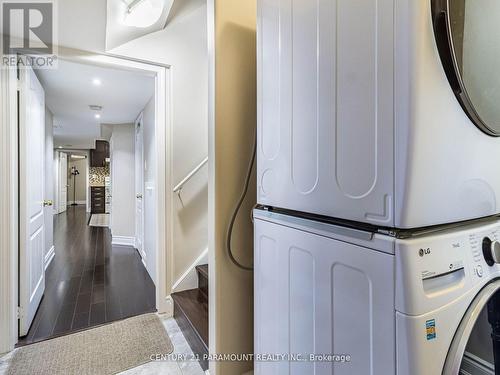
x: 181, y: 347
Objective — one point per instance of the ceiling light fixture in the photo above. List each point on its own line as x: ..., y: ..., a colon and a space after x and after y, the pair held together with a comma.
x: 96, y: 82
x: 143, y: 13
x: 97, y: 115
x: 95, y: 107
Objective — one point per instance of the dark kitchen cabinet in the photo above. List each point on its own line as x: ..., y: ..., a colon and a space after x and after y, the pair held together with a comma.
x: 99, y: 154
x: 97, y: 200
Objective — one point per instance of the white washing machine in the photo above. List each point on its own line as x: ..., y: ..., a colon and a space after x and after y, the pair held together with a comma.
x: 332, y: 299
x: 362, y: 117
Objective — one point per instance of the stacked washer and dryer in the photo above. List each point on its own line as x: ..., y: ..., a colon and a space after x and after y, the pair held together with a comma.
x: 378, y: 177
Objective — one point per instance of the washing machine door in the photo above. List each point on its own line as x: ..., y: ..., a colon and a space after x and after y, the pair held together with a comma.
x: 471, y: 351
x: 468, y: 39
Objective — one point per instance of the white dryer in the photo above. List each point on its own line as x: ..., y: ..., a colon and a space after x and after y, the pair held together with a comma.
x: 381, y: 112
x: 331, y: 299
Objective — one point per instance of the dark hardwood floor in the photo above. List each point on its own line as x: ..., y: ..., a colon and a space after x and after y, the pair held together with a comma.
x: 89, y: 282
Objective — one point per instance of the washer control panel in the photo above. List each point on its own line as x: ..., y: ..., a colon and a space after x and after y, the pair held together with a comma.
x: 437, y: 269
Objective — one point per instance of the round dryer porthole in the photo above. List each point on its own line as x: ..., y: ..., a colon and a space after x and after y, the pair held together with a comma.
x: 468, y: 39
x: 472, y: 350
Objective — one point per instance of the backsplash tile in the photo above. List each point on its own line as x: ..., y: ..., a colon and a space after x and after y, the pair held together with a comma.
x: 97, y: 175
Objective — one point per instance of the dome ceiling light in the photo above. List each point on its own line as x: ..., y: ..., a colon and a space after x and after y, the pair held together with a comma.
x: 143, y: 13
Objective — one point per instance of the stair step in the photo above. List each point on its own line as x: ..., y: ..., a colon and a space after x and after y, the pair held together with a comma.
x: 191, y: 314
x: 202, y: 272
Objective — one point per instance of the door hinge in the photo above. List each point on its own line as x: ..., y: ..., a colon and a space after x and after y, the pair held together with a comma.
x: 19, y: 312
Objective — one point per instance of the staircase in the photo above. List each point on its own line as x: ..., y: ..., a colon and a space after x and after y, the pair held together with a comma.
x: 191, y: 314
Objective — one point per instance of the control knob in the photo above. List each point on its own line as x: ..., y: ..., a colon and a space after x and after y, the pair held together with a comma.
x: 491, y: 251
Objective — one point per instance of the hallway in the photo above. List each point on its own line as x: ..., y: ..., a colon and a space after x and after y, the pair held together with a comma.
x: 89, y: 282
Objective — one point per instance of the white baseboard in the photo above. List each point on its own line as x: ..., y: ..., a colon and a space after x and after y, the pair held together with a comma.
x: 77, y: 202
x: 169, y: 307
x: 49, y: 256
x: 189, y: 279
x: 472, y: 364
x: 123, y: 241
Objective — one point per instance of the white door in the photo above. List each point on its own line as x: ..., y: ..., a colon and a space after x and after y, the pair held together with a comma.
x: 31, y: 197
x: 63, y: 182
x: 139, y: 188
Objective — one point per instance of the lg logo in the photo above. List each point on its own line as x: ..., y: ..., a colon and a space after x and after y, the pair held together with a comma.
x: 423, y: 252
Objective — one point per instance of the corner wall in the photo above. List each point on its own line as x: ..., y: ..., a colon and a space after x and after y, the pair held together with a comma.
x: 232, y: 128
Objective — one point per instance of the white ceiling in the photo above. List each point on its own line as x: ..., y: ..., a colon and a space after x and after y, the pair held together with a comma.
x: 69, y: 90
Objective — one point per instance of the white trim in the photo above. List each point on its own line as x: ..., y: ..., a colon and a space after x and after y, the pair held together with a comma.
x: 49, y: 256
x: 9, y: 213
x: 169, y: 307
x: 140, y: 120
x: 212, y: 275
x: 163, y: 194
x: 8, y: 185
x: 189, y: 279
x: 123, y: 241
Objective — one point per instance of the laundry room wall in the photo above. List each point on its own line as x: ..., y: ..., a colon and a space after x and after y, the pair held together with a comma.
x: 233, y: 121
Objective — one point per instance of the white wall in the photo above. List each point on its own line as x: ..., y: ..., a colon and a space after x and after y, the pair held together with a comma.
x: 49, y: 181
x: 122, y: 150
x: 149, y: 148
x: 183, y: 46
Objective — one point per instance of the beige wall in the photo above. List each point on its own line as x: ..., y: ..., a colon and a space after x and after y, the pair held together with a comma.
x: 81, y: 183
x: 231, y: 136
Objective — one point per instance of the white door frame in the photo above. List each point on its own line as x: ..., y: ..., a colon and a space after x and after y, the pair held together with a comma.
x: 8, y: 185
x: 139, y: 120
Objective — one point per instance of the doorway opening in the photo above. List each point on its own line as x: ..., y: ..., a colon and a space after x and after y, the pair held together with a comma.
x: 92, y: 170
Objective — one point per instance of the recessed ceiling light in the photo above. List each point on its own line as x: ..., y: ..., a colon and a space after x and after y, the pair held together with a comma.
x: 96, y: 82
x: 60, y: 146
x: 97, y: 115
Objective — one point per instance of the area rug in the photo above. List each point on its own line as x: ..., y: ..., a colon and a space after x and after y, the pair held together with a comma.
x: 108, y: 349
x: 99, y: 220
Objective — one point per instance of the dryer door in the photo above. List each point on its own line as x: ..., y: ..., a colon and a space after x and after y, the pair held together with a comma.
x: 468, y: 38
x: 472, y: 349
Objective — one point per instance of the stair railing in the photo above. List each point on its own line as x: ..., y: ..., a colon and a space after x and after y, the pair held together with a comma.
x: 180, y: 185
